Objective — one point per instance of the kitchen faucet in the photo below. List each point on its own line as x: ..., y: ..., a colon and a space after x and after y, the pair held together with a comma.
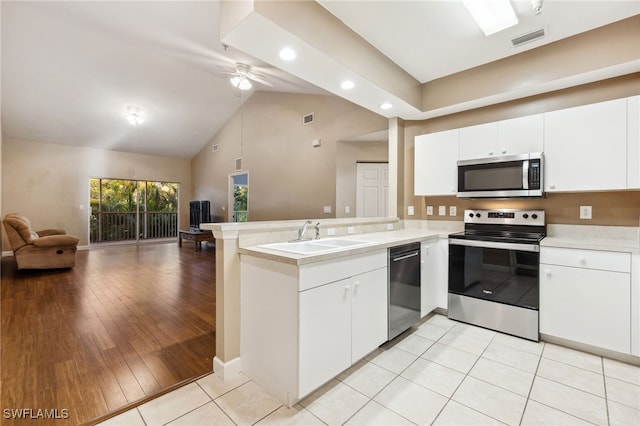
x: 301, y: 232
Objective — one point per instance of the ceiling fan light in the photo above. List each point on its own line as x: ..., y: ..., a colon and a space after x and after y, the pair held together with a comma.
x: 241, y: 82
x: 491, y: 16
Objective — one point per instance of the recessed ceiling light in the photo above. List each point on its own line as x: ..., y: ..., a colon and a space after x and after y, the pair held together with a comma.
x: 347, y: 85
x: 287, y: 54
x: 386, y: 105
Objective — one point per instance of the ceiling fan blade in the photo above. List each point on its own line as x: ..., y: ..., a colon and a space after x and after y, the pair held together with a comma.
x: 259, y: 79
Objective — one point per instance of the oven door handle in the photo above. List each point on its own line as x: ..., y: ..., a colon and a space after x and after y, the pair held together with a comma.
x: 496, y: 245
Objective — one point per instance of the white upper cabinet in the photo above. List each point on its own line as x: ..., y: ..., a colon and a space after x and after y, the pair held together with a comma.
x: 435, y: 167
x: 479, y: 141
x: 520, y: 135
x: 585, y: 147
x: 633, y: 142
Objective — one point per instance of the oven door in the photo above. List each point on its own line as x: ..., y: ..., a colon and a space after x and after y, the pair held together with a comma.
x: 495, y: 285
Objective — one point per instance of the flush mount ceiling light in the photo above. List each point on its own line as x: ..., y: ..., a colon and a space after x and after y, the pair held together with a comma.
x: 347, y: 85
x: 491, y: 15
x: 134, y: 116
x: 386, y: 105
x: 287, y: 54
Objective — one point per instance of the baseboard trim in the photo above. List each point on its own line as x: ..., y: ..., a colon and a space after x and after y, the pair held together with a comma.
x: 227, y: 370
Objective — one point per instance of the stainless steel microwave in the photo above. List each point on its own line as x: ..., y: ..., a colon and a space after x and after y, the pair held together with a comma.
x: 500, y: 177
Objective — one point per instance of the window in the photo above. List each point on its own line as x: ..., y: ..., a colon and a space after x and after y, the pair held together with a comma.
x: 130, y: 210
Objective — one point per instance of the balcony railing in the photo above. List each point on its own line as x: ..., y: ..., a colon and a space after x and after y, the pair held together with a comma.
x: 121, y: 226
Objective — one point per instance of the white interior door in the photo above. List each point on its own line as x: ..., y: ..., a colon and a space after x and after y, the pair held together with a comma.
x: 372, y: 192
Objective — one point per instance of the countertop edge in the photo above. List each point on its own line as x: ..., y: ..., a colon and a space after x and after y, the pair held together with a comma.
x: 381, y: 241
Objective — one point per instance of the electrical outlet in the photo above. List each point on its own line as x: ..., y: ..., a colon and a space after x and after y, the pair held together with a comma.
x: 351, y: 230
x: 585, y: 212
x: 389, y: 226
x: 442, y: 210
x: 331, y: 231
x: 453, y: 210
x: 326, y: 209
x: 429, y: 210
x: 411, y: 211
x: 347, y: 209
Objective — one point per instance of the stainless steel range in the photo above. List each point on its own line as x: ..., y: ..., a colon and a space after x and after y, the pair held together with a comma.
x: 494, y: 270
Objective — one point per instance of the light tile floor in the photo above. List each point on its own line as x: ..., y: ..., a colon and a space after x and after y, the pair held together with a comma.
x: 441, y: 373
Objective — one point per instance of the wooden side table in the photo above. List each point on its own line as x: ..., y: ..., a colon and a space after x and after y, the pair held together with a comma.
x: 195, y: 235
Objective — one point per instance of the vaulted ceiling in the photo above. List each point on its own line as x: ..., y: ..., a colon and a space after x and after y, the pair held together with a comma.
x: 70, y: 70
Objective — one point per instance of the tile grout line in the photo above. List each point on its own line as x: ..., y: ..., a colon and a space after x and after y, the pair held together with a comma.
x: 535, y: 374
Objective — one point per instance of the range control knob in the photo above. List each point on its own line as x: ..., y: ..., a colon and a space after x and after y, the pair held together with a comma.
x: 526, y: 216
x: 478, y: 215
x: 470, y: 214
x: 534, y: 216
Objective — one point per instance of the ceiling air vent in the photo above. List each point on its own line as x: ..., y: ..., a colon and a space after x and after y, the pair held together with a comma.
x: 528, y: 37
x: 308, y: 119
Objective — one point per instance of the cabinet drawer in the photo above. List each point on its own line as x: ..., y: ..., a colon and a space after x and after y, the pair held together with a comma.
x: 590, y: 259
x: 316, y: 274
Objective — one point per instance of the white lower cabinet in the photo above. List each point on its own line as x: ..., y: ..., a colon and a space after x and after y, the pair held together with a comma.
x: 434, y: 275
x: 585, y: 297
x: 303, y: 325
x: 340, y: 323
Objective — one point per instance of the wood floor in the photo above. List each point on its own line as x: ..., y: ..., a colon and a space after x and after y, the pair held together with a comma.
x: 124, y: 324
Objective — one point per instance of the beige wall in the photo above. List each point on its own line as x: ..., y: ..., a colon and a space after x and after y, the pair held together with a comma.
x: 288, y: 177
x: 49, y: 183
x: 347, y: 156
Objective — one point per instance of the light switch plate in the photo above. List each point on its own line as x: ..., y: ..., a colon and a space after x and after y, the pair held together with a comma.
x: 429, y: 210
x: 585, y: 212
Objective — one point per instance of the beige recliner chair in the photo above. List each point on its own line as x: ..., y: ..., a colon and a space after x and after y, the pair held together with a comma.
x: 46, y: 249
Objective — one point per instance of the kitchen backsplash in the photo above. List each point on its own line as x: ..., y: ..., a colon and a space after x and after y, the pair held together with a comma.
x: 620, y: 208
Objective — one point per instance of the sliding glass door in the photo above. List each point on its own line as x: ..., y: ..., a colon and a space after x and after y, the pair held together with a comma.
x: 131, y: 210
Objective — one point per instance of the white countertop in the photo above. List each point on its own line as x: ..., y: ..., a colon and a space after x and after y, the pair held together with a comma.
x: 608, y: 238
x: 378, y: 241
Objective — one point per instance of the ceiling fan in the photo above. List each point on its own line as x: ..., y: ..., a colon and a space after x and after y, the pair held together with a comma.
x: 243, y: 75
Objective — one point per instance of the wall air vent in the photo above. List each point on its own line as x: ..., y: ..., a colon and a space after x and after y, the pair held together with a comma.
x: 238, y: 164
x: 308, y: 119
x: 528, y: 37
x: 215, y: 147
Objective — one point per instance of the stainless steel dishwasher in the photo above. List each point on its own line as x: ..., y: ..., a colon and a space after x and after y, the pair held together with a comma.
x: 404, y: 287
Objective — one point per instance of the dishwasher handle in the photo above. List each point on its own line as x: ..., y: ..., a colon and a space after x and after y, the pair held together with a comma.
x: 406, y: 256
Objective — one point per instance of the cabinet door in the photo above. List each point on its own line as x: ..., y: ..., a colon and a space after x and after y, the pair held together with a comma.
x: 429, y: 276
x: 369, y: 327
x: 586, y: 305
x: 586, y: 147
x: 435, y: 163
x: 520, y: 135
x: 633, y: 142
x: 324, y: 333
x: 479, y: 141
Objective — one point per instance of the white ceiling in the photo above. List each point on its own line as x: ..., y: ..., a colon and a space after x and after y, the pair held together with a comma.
x: 433, y: 39
x: 70, y: 69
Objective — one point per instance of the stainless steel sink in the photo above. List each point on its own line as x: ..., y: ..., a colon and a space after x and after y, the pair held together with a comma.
x: 315, y: 246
